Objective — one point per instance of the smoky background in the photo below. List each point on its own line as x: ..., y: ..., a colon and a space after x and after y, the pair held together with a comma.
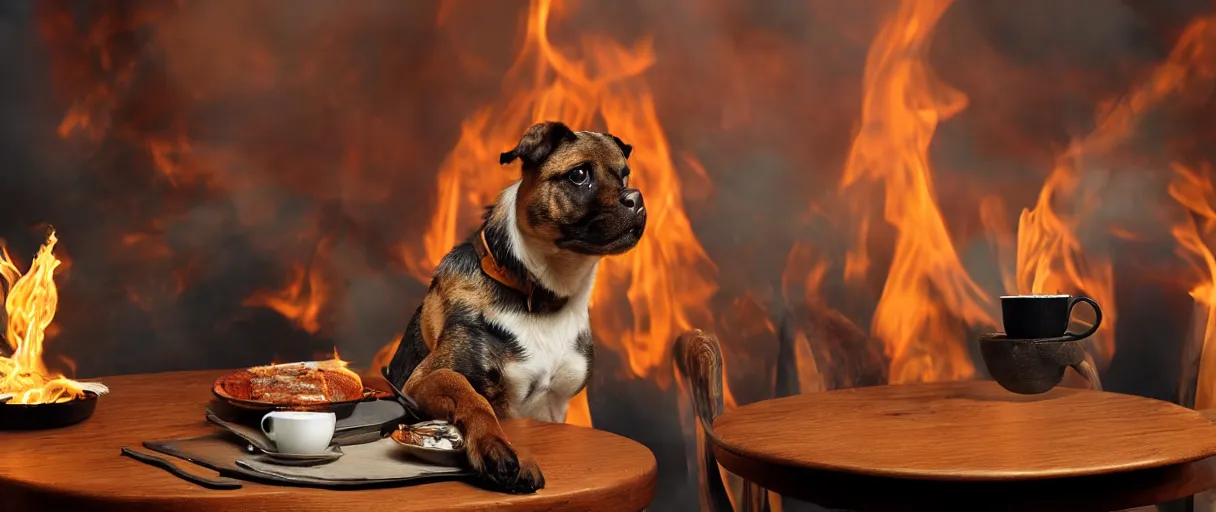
x: 193, y: 155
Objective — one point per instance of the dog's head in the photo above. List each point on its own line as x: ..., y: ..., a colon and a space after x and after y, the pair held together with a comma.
x: 575, y: 190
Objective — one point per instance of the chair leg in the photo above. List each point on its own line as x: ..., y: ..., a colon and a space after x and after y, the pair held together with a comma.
x: 698, y: 359
x: 754, y: 499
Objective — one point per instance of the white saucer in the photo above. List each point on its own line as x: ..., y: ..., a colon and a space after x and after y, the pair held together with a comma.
x: 304, y: 459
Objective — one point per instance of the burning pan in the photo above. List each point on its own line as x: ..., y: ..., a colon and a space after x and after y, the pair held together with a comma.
x: 250, y: 412
x: 46, y: 416
x: 246, y: 411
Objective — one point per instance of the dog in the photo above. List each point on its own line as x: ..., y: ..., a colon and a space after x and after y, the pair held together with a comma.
x: 504, y: 331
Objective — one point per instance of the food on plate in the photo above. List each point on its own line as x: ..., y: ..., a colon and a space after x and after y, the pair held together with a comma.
x: 430, y: 434
x: 312, y: 382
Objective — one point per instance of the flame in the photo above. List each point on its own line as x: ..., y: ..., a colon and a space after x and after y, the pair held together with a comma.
x: 331, y: 362
x: 928, y: 303
x: 337, y: 363
x: 579, y: 412
x: 338, y: 359
x: 667, y: 278
x: 825, y: 349
x: 1051, y: 260
x: 31, y: 303
x: 302, y: 301
x: 1050, y: 256
x: 1194, y: 191
x: 806, y: 366
x: 927, y: 291
x: 383, y: 357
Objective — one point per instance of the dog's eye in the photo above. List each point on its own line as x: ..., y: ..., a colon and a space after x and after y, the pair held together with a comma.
x: 579, y: 175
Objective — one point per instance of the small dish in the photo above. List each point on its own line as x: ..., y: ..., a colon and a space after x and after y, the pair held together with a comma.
x: 413, y: 439
x: 334, y: 452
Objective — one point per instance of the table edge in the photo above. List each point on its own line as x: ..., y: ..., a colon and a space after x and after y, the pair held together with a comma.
x: 634, y: 491
x: 973, y: 476
x: 842, y: 490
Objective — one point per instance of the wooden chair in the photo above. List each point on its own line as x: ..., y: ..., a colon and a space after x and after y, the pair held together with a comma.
x: 698, y: 358
x: 1189, y: 392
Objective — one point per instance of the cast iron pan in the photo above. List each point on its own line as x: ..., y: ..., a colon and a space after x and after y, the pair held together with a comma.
x: 46, y: 416
x: 250, y: 412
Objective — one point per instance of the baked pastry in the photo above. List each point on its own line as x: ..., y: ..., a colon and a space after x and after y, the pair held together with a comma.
x: 312, y: 382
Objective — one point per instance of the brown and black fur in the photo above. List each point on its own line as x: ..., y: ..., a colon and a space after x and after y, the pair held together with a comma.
x: 452, y: 358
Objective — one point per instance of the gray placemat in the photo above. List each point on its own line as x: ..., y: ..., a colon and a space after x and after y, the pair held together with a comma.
x: 221, y: 450
x: 381, y: 460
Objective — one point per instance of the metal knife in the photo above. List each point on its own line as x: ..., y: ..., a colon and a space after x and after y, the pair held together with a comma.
x: 219, y: 483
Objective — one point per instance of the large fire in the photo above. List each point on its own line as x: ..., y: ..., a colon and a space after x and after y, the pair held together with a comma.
x: 326, y: 166
x: 928, y: 297
x: 667, y: 277
x: 30, y: 305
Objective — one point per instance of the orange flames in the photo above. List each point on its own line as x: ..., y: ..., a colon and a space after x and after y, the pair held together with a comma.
x: 929, y: 304
x: 909, y: 247
x: 384, y: 356
x: 928, y: 298
x: 30, y: 305
x: 667, y: 278
x: 301, y: 301
x: 1050, y: 257
x: 1193, y: 190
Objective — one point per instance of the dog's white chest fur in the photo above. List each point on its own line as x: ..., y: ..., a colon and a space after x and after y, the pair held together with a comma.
x: 552, y: 370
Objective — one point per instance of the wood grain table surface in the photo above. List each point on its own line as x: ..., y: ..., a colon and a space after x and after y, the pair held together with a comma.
x: 79, y: 467
x: 946, y: 445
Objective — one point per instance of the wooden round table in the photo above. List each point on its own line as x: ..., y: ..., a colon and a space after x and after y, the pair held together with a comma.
x: 79, y: 467
x: 970, y: 445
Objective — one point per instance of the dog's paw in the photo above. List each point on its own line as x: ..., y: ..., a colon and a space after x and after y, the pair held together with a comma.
x: 502, y: 469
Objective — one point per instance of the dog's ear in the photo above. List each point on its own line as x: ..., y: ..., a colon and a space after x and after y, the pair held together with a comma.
x: 625, y: 148
x: 538, y: 143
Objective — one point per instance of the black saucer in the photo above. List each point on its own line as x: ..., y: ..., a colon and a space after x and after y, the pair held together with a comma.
x: 1033, y: 366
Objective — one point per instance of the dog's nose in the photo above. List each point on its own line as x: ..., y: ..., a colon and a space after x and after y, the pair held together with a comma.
x: 632, y: 199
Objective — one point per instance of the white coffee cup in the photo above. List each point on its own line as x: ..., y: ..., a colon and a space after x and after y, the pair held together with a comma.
x: 299, y: 432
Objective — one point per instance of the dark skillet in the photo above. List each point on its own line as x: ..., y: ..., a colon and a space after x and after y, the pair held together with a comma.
x: 251, y: 411
x: 46, y: 416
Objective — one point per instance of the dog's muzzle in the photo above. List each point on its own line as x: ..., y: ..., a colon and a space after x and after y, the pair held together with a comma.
x: 631, y: 198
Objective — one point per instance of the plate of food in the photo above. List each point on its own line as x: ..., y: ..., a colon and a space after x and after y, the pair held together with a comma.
x: 437, y: 442
x: 319, y: 386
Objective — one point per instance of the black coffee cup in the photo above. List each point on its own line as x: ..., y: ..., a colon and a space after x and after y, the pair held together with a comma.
x: 1033, y: 317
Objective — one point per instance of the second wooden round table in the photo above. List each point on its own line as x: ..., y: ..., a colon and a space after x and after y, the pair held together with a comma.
x: 79, y: 467
x: 970, y: 444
